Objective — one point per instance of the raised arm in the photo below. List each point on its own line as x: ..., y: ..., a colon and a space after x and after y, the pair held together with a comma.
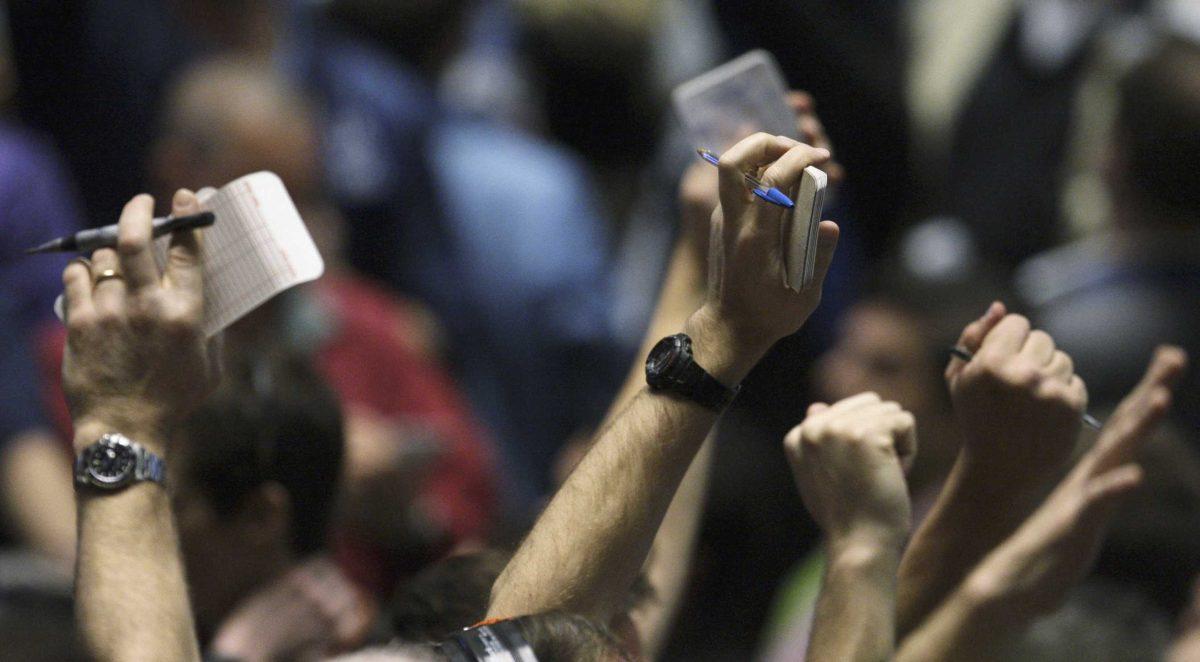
x: 588, y: 546
x: 1031, y: 572
x: 1018, y: 404
x: 135, y: 363
x: 849, y: 462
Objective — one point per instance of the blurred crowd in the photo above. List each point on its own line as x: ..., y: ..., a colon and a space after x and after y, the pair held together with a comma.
x: 511, y: 217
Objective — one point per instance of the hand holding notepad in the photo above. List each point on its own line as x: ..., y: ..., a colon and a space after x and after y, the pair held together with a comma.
x: 257, y: 248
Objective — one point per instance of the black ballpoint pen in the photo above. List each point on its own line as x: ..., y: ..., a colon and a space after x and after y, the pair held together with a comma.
x: 86, y: 241
x: 1088, y: 420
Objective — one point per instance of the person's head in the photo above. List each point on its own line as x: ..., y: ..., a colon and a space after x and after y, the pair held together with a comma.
x: 454, y: 593
x: 551, y: 637
x: 224, y: 118
x: 884, y: 347
x: 447, y: 596
x: 1158, y: 136
x: 255, y: 474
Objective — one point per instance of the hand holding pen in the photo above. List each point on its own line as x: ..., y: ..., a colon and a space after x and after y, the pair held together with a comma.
x: 768, y: 193
x: 961, y: 353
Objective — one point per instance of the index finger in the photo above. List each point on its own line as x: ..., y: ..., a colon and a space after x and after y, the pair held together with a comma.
x: 133, y: 244
x: 972, y: 336
x: 747, y: 156
x: 183, y: 257
x: 1008, y: 336
x: 786, y: 170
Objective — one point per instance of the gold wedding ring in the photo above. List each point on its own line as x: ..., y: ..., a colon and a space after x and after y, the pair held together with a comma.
x: 106, y: 275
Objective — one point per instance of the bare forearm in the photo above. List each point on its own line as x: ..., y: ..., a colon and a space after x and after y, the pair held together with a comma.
x: 968, y: 626
x: 591, y: 541
x: 681, y: 294
x: 669, y: 564
x: 131, y: 595
x: 855, y: 611
x: 963, y: 527
x: 588, y: 546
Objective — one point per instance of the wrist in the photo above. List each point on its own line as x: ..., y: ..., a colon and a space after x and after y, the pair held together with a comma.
x: 720, y: 349
x: 865, y: 546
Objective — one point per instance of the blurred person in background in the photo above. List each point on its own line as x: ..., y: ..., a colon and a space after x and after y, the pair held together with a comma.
x: 255, y: 483
x: 993, y: 91
x: 1112, y: 297
x: 420, y: 472
x: 37, y: 203
x: 515, y: 267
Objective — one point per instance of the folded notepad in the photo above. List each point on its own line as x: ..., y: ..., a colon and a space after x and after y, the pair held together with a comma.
x: 257, y: 248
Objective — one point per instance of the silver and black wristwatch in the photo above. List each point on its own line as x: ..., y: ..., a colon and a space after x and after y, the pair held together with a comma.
x: 115, y: 461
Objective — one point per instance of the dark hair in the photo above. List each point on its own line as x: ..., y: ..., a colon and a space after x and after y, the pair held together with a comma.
x: 447, y: 596
x: 454, y: 593
x: 1159, y: 122
x: 273, y: 419
x: 561, y: 637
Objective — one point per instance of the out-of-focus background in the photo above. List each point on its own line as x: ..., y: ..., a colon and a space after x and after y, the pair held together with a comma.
x: 493, y: 186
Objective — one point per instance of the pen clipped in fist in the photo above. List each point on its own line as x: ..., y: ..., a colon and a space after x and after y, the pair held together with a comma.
x: 849, y: 461
x: 1018, y: 402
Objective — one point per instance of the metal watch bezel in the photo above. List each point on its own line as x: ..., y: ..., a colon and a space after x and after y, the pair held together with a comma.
x: 105, y: 444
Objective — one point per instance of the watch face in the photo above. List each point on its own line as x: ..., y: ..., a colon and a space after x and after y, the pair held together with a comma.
x: 111, y: 464
x: 662, y: 361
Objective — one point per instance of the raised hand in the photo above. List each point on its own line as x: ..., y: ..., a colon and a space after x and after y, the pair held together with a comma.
x: 1030, y: 573
x: 1055, y: 547
x: 748, y: 308
x: 1018, y: 403
x: 849, y: 461
x: 136, y: 359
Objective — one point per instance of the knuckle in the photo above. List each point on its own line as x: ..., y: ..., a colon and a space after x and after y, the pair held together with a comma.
x: 842, y: 429
x: 812, y: 434
x: 80, y: 321
x: 107, y: 318
x: 791, y: 441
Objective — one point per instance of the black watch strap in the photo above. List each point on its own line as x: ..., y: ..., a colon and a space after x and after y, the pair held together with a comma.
x: 688, y: 379
x: 708, y: 392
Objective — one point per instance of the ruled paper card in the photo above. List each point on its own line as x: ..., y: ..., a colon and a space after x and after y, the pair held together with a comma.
x: 257, y: 248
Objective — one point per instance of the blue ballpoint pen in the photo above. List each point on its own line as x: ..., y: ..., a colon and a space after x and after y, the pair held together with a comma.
x: 768, y: 193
